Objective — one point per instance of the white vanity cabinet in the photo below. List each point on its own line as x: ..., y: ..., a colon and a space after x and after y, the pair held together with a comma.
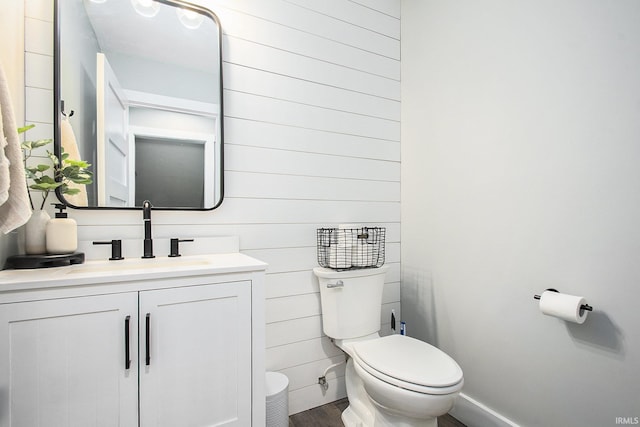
x: 198, y: 369
x: 62, y: 362
x: 170, y: 347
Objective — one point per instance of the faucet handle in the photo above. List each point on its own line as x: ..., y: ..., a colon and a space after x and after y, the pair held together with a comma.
x: 116, y: 249
x: 175, y: 251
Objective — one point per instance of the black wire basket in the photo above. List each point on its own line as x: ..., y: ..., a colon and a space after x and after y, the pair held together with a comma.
x: 351, y: 248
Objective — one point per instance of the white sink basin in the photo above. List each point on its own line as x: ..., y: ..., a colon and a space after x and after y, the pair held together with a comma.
x: 137, y: 264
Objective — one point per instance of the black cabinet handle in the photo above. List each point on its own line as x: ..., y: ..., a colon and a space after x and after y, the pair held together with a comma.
x: 147, y: 331
x: 127, y: 349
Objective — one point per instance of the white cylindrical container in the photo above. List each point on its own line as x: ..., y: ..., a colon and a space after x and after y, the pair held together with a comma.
x: 62, y: 233
x: 35, y: 233
x: 277, y: 391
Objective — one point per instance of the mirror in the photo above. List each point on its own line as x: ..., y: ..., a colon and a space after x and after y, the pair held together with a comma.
x: 138, y: 95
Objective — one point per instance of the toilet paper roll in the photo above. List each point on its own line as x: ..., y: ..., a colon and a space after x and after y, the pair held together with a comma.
x: 340, y: 257
x: 362, y: 254
x: 563, y: 306
x: 346, y: 237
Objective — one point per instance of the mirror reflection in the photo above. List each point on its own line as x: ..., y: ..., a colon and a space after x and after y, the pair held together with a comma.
x: 138, y: 95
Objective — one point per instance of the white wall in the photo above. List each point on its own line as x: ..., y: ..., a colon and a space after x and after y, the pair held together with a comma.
x: 312, y: 138
x: 520, y: 150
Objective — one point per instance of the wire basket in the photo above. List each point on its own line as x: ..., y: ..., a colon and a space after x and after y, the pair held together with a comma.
x: 351, y: 248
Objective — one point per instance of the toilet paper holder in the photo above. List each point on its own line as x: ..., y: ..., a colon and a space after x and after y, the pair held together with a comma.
x: 586, y: 307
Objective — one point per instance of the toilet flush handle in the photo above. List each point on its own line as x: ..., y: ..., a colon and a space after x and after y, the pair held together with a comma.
x: 338, y: 284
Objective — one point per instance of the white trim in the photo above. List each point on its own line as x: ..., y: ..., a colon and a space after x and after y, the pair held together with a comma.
x: 100, y: 134
x: 107, y: 84
x: 474, y: 414
x: 180, y: 105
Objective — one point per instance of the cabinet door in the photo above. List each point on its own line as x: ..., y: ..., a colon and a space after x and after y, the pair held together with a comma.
x: 198, y: 371
x: 62, y: 362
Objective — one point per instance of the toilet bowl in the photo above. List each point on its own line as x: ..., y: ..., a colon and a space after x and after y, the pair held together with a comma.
x: 394, y: 380
x: 407, y: 378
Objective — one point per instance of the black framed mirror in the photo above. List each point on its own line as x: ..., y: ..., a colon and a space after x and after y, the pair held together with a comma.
x: 138, y: 95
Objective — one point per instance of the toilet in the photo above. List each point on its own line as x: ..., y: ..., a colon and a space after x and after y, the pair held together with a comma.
x: 393, y: 380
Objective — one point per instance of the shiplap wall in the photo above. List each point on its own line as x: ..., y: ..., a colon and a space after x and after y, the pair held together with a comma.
x: 312, y: 128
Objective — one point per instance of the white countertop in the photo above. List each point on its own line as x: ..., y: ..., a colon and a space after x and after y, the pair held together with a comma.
x: 130, y: 269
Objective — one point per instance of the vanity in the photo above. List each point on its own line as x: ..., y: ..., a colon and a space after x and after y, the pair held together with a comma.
x: 160, y: 342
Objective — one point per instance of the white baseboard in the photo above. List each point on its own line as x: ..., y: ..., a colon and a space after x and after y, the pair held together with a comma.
x: 474, y: 414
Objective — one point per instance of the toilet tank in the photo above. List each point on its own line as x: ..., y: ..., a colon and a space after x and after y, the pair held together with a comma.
x: 351, y: 301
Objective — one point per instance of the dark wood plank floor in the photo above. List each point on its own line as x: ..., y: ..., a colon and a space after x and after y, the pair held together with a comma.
x: 329, y: 416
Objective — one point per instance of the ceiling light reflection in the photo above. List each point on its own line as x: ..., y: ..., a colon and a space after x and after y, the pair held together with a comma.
x: 146, y: 8
x: 189, y: 18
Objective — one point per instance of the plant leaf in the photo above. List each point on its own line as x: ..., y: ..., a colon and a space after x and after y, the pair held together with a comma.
x: 45, y: 179
x: 40, y: 143
x: 64, y: 170
x: 78, y: 163
x: 25, y: 128
x: 53, y: 159
x: 45, y: 186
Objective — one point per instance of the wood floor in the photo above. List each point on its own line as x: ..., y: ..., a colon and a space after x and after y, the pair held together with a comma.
x: 329, y: 416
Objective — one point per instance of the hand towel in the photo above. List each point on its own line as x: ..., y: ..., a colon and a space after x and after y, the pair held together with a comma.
x: 5, y: 177
x: 70, y: 146
x: 16, y: 210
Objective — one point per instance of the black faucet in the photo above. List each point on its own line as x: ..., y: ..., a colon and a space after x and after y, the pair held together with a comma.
x: 148, y: 241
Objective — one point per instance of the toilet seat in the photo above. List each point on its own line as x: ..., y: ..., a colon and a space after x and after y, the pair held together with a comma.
x: 409, y: 363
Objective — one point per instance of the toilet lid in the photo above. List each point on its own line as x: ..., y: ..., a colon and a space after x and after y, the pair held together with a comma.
x: 409, y: 360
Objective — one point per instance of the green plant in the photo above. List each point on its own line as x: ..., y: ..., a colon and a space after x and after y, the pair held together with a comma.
x: 58, y: 175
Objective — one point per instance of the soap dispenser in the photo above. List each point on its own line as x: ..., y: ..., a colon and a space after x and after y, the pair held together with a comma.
x: 62, y: 233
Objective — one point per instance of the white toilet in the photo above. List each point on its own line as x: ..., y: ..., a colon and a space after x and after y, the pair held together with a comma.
x: 391, y: 381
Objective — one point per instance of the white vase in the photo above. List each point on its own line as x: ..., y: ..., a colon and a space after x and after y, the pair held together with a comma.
x: 35, y: 233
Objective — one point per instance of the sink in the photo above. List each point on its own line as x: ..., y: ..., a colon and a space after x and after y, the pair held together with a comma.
x: 130, y: 269
x: 137, y: 264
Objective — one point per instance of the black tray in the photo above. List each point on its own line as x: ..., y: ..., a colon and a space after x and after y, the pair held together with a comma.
x: 44, y: 261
